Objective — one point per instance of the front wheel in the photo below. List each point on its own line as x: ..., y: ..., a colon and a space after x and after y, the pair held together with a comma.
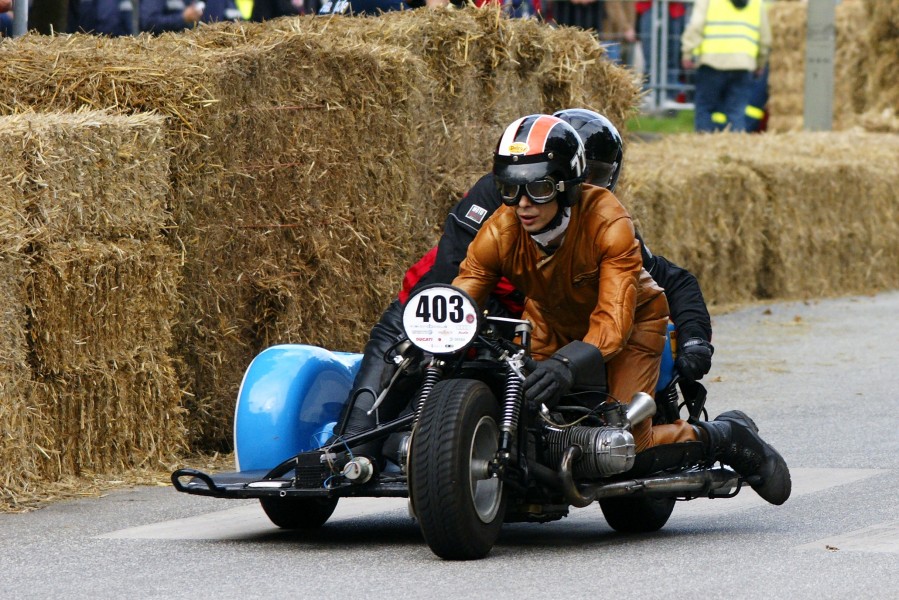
x: 637, y: 515
x: 459, y: 506
x: 298, y: 513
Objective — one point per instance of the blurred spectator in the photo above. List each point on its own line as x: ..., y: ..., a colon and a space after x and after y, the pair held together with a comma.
x: 157, y: 16
x: 363, y: 7
x: 103, y: 17
x: 5, y: 18
x: 513, y: 8
x: 618, y: 33
x: 727, y: 41
x: 263, y: 10
x: 676, y: 18
x: 757, y: 108
x: 586, y: 14
x: 516, y: 9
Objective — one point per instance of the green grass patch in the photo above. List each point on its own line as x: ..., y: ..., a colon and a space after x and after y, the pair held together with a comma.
x: 674, y: 122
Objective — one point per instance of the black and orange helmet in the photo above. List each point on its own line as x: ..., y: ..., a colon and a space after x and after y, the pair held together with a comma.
x: 540, y: 146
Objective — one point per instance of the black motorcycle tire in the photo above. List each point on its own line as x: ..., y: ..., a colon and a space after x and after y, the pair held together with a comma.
x: 460, y: 510
x: 637, y: 515
x: 298, y: 513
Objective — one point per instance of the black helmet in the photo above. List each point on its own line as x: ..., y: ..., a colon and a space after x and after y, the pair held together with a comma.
x: 539, y: 146
x: 602, y: 145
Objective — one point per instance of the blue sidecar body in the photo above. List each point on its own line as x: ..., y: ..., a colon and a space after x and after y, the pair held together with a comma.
x: 289, y: 401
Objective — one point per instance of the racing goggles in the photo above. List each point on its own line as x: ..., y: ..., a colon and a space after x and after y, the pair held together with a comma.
x: 540, y: 191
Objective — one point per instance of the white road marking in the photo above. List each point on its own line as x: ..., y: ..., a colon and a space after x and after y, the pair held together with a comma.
x: 805, y: 481
x: 248, y: 520
x: 877, y: 538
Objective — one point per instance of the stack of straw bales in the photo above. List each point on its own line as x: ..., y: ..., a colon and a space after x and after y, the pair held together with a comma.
x: 787, y: 64
x: 866, y: 93
x: 313, y: 159
x: 92, y: 296
x: 25, y: 427
x: 772, y: 216
x: 881, y: 83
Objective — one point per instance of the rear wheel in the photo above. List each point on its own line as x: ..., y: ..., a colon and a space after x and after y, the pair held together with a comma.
x: 298, y: 513
x: 637, y: 515
x: 459, y: 506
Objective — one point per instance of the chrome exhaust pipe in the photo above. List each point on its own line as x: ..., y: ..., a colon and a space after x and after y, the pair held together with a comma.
x: 702, y: 481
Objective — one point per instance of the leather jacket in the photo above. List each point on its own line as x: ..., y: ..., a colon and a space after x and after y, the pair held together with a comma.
x: 593, y: 288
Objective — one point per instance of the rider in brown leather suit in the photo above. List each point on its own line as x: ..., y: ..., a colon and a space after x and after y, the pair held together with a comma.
x: 571, y: 249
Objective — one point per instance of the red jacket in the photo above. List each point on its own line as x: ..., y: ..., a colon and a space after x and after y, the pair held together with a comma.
x: 675, y: 9
x: 504, y: 291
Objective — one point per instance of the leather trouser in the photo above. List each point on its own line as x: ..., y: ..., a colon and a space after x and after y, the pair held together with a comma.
x: 636, y: 369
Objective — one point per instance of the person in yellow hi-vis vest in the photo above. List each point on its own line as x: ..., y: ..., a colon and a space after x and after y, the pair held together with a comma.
x: 727, y: 42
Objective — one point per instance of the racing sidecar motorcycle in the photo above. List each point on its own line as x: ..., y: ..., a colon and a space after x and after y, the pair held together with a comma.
x: 467, y: 451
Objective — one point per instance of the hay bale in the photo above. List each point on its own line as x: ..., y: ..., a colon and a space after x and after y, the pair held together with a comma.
x: 787, y: 64
x: 833, y: 219
x: 92, y: 173
x: 95, y: 302
x: 14, y: 230
x: 13, y: 260
x: 702, y: 211
x: 882, y: 85
x: 772, y: 216
x: 264, y: 137
x: 112, y: 418
x: 26, y: 452
x: 483, y: 71
x: 79, y: 308
x: 101, y: 336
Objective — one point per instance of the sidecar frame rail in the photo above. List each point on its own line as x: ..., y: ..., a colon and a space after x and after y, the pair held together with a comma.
x: 255, y: 484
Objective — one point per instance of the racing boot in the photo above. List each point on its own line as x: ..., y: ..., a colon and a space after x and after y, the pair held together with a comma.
x: 359, y: 421
x: 733, y: 439
x: 374, y: 374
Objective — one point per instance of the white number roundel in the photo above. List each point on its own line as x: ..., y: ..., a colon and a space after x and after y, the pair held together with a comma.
x: 440, y: 319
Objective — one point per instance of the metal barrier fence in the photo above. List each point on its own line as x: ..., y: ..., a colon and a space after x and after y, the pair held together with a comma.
x: 655, y: 53
x: 669, y: 86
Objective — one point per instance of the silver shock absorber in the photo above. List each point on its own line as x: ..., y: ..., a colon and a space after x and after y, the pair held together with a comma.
x: 433, y: 373
x: 511, y: 403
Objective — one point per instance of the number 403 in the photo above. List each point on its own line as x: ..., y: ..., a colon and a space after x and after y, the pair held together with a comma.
x: 438, y: 308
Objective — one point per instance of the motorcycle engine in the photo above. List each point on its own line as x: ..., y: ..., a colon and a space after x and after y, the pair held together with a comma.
x: 606, y: 450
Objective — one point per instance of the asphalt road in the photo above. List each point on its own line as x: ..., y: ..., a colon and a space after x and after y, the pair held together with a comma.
x: 820, y: 379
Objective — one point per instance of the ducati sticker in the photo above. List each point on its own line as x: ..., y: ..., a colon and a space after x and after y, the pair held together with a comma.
x: 476, y: 214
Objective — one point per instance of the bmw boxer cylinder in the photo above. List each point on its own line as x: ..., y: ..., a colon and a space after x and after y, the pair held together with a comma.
x: 604, y: 450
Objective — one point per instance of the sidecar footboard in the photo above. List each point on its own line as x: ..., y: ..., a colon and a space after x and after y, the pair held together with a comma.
x: 236, y: 484
x: 255, y: 484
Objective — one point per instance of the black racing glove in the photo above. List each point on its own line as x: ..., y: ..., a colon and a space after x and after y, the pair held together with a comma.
x: 548, y: 382
x: 694, y: 359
